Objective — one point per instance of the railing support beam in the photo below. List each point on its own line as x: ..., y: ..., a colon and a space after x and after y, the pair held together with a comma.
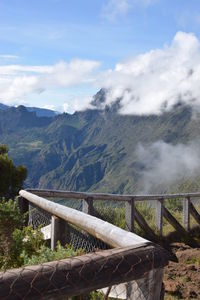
x: 143, y: 224
x: 195, y: 213
x: 172, y: 220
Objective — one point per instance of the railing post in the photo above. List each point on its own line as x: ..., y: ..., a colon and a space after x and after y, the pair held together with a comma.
x: 159, y: 215
x: 129, y: 215
x: 147, y: 288
x: 24, y: 208
x: 87, y: 207
x: 186, y: 213
x: 59, y: 232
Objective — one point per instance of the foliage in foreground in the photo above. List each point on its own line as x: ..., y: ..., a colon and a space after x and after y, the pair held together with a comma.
x: 11, y: 177
x: 20, y: 245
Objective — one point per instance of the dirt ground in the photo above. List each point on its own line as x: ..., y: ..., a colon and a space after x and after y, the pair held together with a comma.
x: 182, y: 279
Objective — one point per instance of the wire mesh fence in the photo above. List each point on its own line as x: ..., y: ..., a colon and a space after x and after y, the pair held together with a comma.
x: 102, y: 272
x: 85, y: 241
x: 77, y: 238
x: 38, y: 217
x: 129, y: 274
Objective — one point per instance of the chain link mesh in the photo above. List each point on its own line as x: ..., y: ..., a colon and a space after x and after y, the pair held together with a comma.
x: 38, y: 217
x: 66, y: 275
x: 81, y: 275
x: 78, y: 239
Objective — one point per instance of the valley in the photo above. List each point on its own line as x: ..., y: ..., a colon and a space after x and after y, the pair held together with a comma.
x: 97, y: 150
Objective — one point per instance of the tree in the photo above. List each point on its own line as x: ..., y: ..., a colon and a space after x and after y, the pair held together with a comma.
x: 11, y: 177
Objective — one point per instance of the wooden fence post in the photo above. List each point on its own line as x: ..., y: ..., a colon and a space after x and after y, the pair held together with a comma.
x: 59, y: 232
x: 87, y: 207
x: 129, y: 215
x: 186, y: 213
x: 24, y: 208
x: 159, y: 216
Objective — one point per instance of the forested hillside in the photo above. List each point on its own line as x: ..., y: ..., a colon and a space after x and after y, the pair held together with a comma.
x: 102, y: 150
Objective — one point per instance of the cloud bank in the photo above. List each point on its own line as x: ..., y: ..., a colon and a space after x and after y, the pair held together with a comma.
x: 165, y: 164
x: 18, y: 81
x: 155, y: 81
x: 148, y: 83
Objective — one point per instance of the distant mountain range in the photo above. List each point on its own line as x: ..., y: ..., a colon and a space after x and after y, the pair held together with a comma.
x: 94, y: 150
x: 40, y: 112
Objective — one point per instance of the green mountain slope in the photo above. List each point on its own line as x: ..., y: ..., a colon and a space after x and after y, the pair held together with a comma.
x: 94, y: 150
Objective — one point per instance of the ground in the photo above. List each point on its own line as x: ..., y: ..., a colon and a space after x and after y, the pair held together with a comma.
x: 182, y: 278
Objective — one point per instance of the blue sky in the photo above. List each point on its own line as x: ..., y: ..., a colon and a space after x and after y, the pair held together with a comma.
x: 43, y: 42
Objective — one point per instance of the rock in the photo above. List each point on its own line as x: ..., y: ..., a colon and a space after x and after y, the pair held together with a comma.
x: 171, y: 286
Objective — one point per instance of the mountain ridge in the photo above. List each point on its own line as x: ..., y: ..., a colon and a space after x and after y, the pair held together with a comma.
x: 40, y: 112
x: 92, y: 150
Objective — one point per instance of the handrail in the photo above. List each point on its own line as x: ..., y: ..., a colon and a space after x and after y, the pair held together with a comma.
x: 134, y: 263
x: 82, y: 274
x: 104, y: 196
x: 108, y: 233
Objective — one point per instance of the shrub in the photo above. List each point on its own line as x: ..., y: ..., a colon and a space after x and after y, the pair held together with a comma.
x: 10, y: 220
x: 21, y: 245
x: 11, y: 177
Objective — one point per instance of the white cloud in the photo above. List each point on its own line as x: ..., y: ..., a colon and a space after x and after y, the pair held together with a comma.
x: 66, y: 107
x: 146, y: 84
x: 49, y: 106
x: 115, y: 8
x: 81, y: 103
x: 165, y: 164
x: 8, y: 57
x: 77, y: 103
x: 18, y: 81
x: 156, y: 80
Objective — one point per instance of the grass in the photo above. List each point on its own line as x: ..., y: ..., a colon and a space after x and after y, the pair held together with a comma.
x: 170, y: 297
x: 193, y: 261
x: 115, y: 214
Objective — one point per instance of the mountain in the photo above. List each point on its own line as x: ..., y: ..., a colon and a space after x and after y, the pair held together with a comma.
x: 3, y: 106
x: 95, y: 150
x: 40, y: 112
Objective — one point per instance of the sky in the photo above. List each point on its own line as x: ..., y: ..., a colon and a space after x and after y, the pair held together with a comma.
x: 58, y: 53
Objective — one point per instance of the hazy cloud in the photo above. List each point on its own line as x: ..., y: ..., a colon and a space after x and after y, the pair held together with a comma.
x: 164, y: 164
x: 116, y: 8
x: 18, y: 81
x: 154, y: 81
x: 8, y: 57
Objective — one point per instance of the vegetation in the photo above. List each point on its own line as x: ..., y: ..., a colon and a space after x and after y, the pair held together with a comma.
x: 114, y: 213
x: 11, y: 177
x: 20, y: 245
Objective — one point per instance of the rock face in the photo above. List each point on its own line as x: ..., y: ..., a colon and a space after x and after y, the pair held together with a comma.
x: 92, y: 150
